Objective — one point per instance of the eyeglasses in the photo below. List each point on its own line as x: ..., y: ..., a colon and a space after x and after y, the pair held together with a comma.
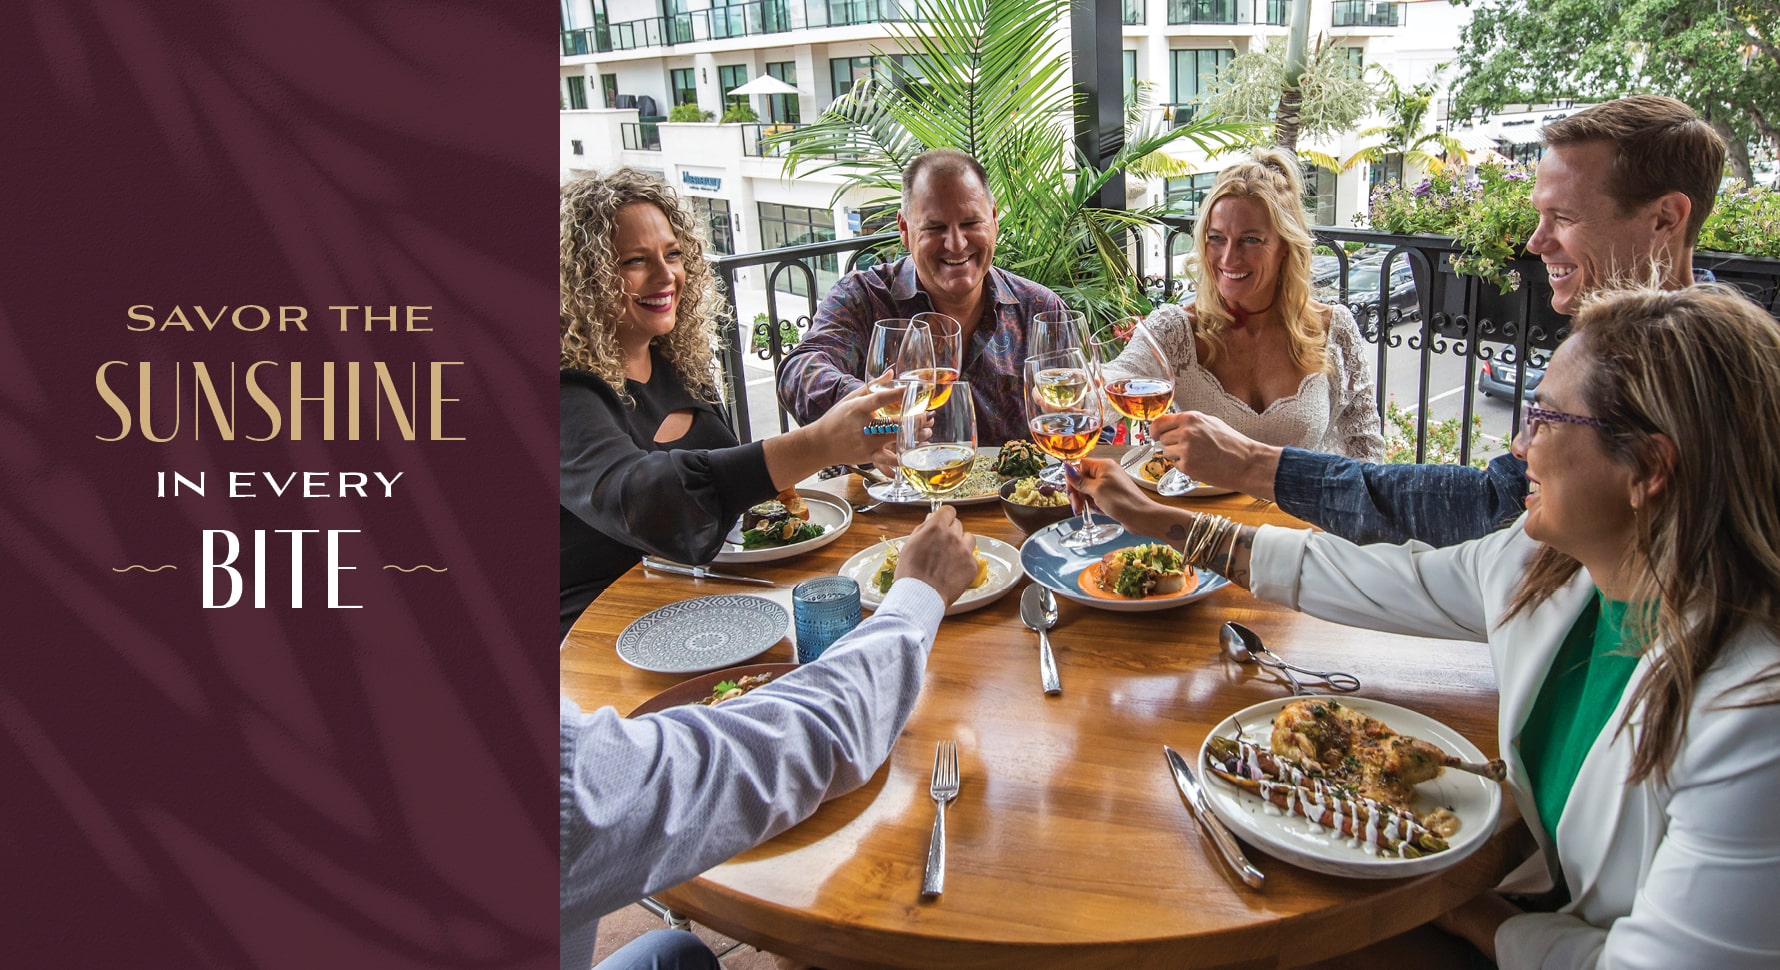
x: 1533, y: 416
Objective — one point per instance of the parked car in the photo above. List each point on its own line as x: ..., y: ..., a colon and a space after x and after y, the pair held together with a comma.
x: 1362, y: 291
x: 1497, y: 379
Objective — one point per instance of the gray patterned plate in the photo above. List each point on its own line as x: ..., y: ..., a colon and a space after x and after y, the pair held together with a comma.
x: 703, y: 633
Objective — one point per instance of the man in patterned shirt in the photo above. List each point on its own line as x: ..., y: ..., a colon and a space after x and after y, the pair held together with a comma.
x: 948, y: 224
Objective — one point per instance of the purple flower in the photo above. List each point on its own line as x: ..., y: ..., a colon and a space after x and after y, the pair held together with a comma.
x: 1422, y: 190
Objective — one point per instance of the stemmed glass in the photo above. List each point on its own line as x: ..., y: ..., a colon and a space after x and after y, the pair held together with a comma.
x: 1139, y: 383
x: 1051, y: 331
x: 948, y: 352
x: 899, y: 348
x: 938, y: 437
x: 1065, y: 411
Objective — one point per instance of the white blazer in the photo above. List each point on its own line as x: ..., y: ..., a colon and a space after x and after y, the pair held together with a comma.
x: 1664, y: 877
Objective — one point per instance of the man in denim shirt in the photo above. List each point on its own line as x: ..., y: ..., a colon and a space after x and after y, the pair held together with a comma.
x: 1623, y: 189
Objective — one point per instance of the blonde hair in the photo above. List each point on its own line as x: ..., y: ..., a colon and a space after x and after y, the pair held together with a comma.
x: 1700, y: 366
x: 592, y: 296
x: 1272, y: 176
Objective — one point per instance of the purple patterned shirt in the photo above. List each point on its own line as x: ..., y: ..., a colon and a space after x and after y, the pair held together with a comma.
x: 830, y: 361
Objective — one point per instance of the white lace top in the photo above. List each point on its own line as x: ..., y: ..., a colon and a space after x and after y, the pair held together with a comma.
x: 1335, y: 412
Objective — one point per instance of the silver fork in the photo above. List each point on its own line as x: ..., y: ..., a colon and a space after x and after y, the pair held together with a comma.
x: 945, y: 788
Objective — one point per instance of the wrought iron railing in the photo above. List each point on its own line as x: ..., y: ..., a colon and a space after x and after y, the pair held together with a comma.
x: 1448, y: 317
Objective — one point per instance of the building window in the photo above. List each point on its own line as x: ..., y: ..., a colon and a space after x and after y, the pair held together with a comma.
x: 715, y: 214
x: 781, y: 109
x: 894, y: 69
x: 575, y: 146
x: 1319, y: 195
x: 577, y: 92
x: 1388, y: 168
x: 795, y: 225
x: 609, y: 87
x: 1356, y: 59
x: 1130, y: 59
x: 684, y: 82
x: 1194, y: 72
x: 1184, y: 195
x: 730, y: 77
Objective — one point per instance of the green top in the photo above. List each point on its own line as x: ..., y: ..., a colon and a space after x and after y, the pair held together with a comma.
x: 1579, y: 694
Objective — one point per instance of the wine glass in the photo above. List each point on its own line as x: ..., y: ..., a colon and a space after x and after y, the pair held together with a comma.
x: 899, y: 347
x: 1048, y: 332
x: 1139, y: 383
x: 938, y: 436
x: 1065, y: 412
x: 948, y: 353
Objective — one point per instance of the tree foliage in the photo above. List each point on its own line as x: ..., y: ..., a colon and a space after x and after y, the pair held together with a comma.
x: 1722, y: 57
x: 1335, y: 94
x: 992, y: 79
x: 1407, y: 114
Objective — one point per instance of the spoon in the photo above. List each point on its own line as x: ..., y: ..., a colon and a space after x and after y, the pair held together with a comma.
x: 1038, y: 609
x: 1244, y: 646
x: 861, y: 508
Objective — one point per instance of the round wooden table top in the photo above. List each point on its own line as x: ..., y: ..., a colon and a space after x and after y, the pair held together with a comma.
x: 1068, y: 845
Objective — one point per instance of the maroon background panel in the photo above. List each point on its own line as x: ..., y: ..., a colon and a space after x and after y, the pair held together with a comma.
x: 282, y: 785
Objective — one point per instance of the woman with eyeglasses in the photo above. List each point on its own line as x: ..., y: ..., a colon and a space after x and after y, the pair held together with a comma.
x: 1633, y: 617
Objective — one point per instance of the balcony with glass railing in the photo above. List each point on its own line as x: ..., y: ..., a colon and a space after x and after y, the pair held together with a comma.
x: 752, y: 19
x: 1367, y: 13
x: 847, y: 13
x: 641, y: 136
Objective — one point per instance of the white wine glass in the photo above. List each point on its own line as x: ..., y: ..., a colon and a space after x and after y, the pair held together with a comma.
x: 1065, y: 413
x: 948, y: 352
x: 899, y: 347
x: 938, y: 437
x: 1138, y: 379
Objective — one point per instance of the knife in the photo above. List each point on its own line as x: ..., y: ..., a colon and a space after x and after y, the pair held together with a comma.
x: 700, y: 572
x: 1226, y: 843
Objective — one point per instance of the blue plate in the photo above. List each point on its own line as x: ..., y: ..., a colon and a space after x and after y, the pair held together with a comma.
x: 1052, y: 566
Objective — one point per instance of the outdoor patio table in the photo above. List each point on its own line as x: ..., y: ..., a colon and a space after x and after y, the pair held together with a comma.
x: 1069, y: 845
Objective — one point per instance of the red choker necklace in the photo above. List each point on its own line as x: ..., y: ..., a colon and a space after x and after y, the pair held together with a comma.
x: 1240, y: 316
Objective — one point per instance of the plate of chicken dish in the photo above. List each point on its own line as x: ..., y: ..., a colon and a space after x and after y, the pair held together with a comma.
x: 1351, y: 787
x: 1125, y: 574
x: 799, y: 520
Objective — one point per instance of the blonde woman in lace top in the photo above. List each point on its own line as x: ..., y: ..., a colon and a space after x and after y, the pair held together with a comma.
x: 1254, y: 349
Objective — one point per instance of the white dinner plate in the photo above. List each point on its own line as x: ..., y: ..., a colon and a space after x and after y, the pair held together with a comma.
x: 1058, y: 568
x: 831, y: 513
x: 983, y: 485
x: 1476, y: 800
x: 1197, y: 491
x: 1004, y: 572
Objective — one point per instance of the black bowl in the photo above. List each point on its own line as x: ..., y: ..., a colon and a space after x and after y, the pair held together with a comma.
x: 1030, y: 518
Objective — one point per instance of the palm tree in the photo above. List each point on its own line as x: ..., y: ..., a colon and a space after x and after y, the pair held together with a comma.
x: 1408, y: 112
x: 992, y: 79
x: 1331, y: 95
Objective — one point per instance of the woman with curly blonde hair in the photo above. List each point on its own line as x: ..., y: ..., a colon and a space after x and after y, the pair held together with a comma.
x: 1253, y: 348
x: 648, y: 462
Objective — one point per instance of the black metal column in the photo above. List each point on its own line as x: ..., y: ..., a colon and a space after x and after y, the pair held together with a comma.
x: 1095, y: 40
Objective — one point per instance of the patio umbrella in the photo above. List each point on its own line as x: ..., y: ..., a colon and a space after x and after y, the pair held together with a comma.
x: 764, y: 84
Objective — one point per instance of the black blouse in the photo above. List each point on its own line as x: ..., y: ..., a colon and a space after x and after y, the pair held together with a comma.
x: 626, y: 495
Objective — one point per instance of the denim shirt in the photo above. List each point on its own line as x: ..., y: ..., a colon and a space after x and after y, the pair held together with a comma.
x: 1440, y: 505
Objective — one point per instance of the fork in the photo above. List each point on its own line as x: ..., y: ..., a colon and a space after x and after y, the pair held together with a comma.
x: 945, y: 788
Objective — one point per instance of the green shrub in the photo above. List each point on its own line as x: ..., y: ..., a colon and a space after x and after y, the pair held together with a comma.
x: 687, y: 112
x: 1745, y: 219
x: 1443, y: 438
x: 739, y: 112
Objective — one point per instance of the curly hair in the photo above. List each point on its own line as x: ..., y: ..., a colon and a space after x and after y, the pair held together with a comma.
x: 1272, y: 177
x: 592, y: 296
x: 1701, y: 367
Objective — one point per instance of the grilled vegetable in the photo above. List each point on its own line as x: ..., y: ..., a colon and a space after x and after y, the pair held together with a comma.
x: 1019, y: 457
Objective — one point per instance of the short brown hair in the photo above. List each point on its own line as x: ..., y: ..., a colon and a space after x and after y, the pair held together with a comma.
x: 944, y: 161
x: 1660, y: 146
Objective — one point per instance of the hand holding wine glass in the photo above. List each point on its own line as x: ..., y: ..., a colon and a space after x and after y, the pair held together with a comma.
x: 938, y: 436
